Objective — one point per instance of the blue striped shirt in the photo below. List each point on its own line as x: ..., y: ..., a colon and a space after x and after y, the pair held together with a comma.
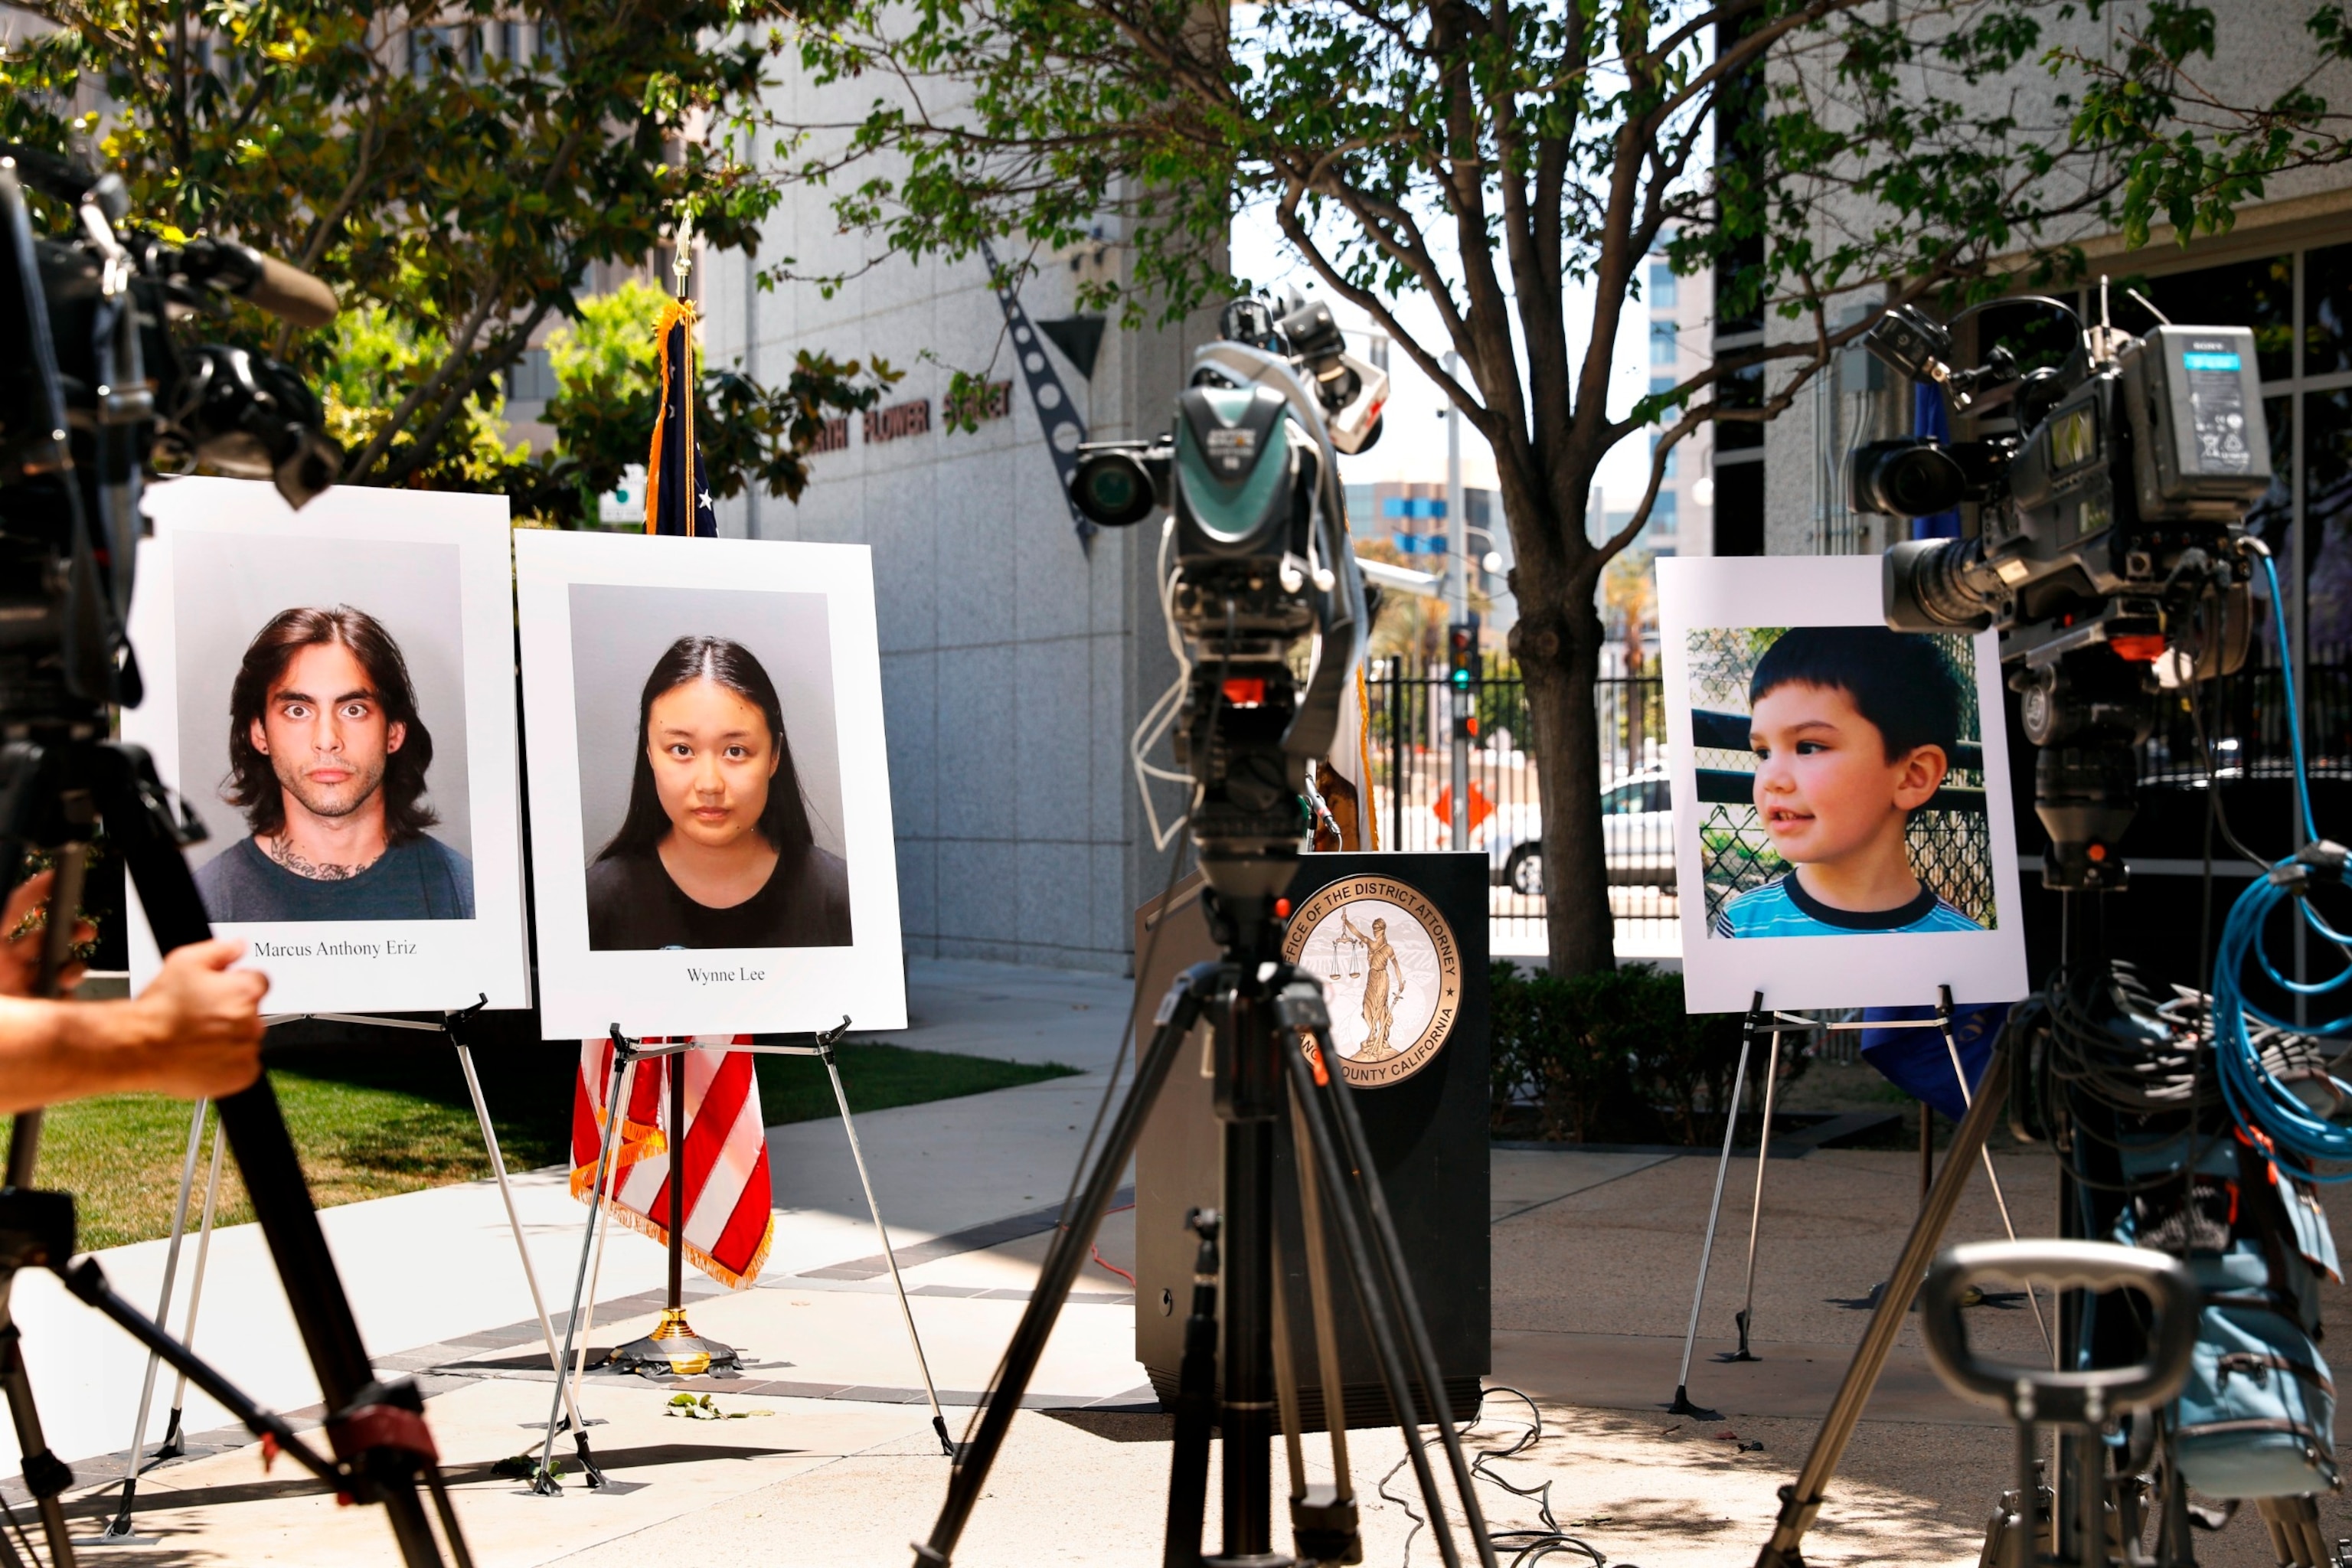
x: 1783, y: 908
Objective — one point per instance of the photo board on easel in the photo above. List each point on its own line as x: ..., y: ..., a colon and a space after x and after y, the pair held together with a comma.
x: 332, y: 694
x: 711, y: 845
x: 1842, y: 828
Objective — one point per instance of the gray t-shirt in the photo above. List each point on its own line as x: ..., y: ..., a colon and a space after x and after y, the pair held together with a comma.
x: 423, y: 880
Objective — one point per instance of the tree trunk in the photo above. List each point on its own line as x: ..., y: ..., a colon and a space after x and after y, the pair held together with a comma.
x: 1559, y: 652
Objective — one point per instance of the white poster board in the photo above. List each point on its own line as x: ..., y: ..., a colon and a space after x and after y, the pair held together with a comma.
x: 682, y: 887
x: 1842, y: 829
x: 363, y: 840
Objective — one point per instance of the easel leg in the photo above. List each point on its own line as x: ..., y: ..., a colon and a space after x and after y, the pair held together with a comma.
x: 175, y: 1443
x: 1681, y: 1405
x: 522, y: 1250
x: 1747, y: 1316
x: 889, y: 1254
x: 1952, y: 1049
x: 601, y: 1223
x: 117, y: 1532
x: 544, y: 1481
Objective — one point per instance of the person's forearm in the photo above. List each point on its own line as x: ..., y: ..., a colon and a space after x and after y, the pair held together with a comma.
x: 51, y: 1051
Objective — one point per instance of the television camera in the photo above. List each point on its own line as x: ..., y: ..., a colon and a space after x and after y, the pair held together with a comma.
x: 2111, y: 553
x: 1268, y: 607
x: 1262, y: 564
x: 94, y: 391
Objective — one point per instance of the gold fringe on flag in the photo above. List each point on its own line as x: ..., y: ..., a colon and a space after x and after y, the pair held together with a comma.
x: 676, y: 311
x: 639, y: 1140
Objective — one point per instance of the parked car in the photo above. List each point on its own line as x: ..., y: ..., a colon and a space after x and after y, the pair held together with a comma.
x: 1637, y: 836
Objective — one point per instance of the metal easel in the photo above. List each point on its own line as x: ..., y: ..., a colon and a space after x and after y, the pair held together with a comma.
x: 626, y: 1054
x: 118, y: 1531
x: 1775, y: 1024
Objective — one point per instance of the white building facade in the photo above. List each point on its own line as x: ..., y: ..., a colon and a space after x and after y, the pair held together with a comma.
x: 1017, y: 658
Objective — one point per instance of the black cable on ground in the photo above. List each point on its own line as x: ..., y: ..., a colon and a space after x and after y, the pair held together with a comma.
x: 1527, y: 1546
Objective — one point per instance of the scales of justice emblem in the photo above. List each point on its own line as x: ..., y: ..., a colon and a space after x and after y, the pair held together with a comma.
x: 1391, y: 971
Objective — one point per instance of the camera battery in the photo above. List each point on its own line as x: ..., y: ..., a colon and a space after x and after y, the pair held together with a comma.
x: 2202, y: 449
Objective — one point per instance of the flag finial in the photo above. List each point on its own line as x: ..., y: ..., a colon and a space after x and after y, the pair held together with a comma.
x: 682, y: 262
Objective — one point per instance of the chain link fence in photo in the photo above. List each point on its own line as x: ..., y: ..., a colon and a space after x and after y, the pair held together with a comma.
x: 1951, y: 850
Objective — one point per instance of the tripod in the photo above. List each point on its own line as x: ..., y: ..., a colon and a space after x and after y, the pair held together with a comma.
x: 54, y: 790
x: 1272, y: 1063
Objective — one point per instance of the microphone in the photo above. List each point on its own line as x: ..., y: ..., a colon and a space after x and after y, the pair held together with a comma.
x: 280, y: 288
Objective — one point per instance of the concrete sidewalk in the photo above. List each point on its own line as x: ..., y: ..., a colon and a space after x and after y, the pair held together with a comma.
x: 834, y: 1459
x: 431, y: 1267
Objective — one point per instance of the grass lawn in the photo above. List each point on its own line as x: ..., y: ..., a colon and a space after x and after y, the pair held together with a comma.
x: 372, y: 1119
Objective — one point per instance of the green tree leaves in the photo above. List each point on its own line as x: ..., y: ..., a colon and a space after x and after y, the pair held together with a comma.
x: 457, y: 169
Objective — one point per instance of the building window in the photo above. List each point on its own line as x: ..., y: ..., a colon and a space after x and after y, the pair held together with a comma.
x: 1741, y: 388
x: 531, y: 379
x: 1662, y: 384
x: 1663, y: 513
x: 1662, y: 287
x: 1662, y: 346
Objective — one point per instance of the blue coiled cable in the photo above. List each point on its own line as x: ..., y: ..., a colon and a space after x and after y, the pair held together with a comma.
x: 2257, y: 1098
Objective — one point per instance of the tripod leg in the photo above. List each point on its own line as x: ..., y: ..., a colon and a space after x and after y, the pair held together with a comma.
x: 1196, y: 1404
x: 1389, y: 1253
x: 119, y: 1528
x: 1747, y: 1318
x: 1245, y: 1416
x: 1285, y: 1378
x: 1681, y: 1405
x: 131, y: 802
x: 1371, y: 1292
x: 174, y: 1441
x: 45, y: 1475
x: 1179, y: 1011
x: 1801, y: 1500
x: 889, y: 1253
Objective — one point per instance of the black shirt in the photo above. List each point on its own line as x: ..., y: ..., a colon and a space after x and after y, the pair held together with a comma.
x: 633, y: 904
x: 423, y: 880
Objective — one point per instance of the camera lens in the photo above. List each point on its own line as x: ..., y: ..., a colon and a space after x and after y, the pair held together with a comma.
x: 1911, y: 478
x: 1113, y: 489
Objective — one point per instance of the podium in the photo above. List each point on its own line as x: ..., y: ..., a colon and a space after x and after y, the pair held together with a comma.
x: 1422, y: 1090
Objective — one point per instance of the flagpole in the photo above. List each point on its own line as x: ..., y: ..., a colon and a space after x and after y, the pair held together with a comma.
x: 674, y: 1347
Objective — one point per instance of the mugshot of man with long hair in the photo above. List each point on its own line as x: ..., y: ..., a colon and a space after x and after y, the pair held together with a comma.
x: 327, y: 760
x: 716, y: 850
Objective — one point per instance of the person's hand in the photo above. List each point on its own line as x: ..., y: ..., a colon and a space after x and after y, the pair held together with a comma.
x: 20, y: 944
x: 204, y: 1021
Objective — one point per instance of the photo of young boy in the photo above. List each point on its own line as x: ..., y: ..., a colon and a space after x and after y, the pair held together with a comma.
x: 1832, y: 778
x: 1854, y: 729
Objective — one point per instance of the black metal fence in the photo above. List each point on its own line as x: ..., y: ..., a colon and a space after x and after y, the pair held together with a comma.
x: 1412, y: 763
x: 1412, y: 768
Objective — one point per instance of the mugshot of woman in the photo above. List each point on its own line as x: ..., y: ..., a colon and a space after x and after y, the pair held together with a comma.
x: 716, y: 850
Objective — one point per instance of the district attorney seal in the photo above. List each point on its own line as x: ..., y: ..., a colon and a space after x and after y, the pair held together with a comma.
x: 1391, y: 969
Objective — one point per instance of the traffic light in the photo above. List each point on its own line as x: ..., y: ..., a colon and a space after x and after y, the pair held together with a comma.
x: 1462, y: 652
x: 1461, y: 659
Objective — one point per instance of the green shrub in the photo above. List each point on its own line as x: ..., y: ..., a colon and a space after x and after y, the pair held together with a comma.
x: 1608, y: 1058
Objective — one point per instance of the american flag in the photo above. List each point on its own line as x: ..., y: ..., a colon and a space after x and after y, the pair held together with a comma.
x: 729, y: 1223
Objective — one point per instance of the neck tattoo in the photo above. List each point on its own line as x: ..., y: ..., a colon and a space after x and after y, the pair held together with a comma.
x: 286, y: 855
